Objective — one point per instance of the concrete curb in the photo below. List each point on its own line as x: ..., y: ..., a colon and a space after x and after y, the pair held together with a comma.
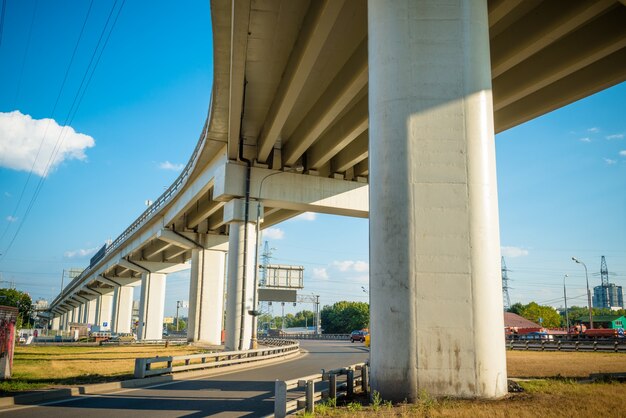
x: 66, y: 393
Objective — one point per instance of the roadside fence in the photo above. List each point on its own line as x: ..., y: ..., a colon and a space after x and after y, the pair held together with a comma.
x: 302, y: 393
x: 617, y: 346
x: 273, y: 348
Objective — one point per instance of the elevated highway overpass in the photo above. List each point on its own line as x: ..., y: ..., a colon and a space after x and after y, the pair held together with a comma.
x: 379, y: 110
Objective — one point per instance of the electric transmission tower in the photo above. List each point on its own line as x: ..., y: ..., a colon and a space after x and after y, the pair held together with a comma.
x: 604, y: 273
x: 505, y: 286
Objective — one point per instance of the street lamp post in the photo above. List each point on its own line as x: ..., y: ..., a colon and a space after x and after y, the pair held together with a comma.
x: 588, y: 291
x: 565, y: 296
x: 255, y: 287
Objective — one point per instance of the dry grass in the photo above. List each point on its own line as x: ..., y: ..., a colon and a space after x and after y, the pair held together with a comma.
x: 562, y: 364
x: 547, y: 398
x: 63, y: 365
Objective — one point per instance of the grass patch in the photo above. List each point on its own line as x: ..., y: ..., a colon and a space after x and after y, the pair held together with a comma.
x: 36, y: 367
x: 545, y: 398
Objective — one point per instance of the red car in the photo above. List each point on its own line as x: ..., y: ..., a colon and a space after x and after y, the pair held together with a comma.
x: 358, y: 336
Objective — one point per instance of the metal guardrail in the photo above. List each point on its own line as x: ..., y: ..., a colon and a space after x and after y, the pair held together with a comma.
x: 317, y: 337
x: 286, y: 399
x: 559, y: 345
x: 144, y: 367
x: 152, y: 209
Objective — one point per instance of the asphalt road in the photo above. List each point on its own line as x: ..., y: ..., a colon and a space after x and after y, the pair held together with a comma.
x: 244, y: 393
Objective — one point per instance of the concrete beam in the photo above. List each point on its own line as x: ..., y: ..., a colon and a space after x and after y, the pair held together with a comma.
x: 173, y: 238
x: 304, y: 193
x: 351, y: 155
x: 316, y: 27
x: 595, y: 41
x: 154, y: 249
x: 340, y: 92
x: 550, y: 21
x: 161, y: 267
x: 202, y: 212
x: 339, y: 135
x: 240, y: 19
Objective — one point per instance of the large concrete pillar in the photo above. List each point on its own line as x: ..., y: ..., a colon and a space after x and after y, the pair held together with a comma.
x: 56, y: 322
x: 240, y: 286
x: 64, y: 321
x: 90, y: 315
x: 81, y: 313
x: 206, y: 296
x: 122, y: 309
x: 151, y: 306
x: 103, y: 311
x: 76, y: 314
x: 436, y: 296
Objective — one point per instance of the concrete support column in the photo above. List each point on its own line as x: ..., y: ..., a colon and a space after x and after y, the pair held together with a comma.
x: 435, y: 286
x: 64, y: 320
x: 91, y: 312
x: 76, y: 314
x: 122, y: 309
x: 240, y: 286
x: 103, y: 311
x: 151, y: 306
x: 81, y: 313
x: 206, y: 296
x: 56, y: 321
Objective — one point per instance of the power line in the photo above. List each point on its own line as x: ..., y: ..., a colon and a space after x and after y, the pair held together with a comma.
x: 67, y: 71
x: 30, y: 32
x: 70, y: 116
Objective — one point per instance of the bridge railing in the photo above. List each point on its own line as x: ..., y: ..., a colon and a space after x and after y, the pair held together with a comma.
x: 305, y: 336
x: 153, y: 366
x: 303, y: 392
x: 167, y: 195
x: 565, y: 345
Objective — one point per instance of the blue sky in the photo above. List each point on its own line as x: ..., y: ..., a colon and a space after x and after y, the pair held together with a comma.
x: 562, y: 177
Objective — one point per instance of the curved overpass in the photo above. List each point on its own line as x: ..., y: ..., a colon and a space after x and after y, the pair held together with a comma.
x: 337, y: 97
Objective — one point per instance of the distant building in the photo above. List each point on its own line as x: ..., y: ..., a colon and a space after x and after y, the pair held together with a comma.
x: 512, y: 320
x: 609, y: 296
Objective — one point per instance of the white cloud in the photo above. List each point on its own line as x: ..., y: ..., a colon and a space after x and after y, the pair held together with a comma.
x: 306, y: 216
x: 166, y: 165
x: 21, y: 137
x: 615, y: 136
x: 609, y: 161
x: 585, y: 139
x: 11, y: 218
x: 320, y: 273
x: 623, y: 153
x: 350, y: 265
x: 513, y: 252
x: 82, y: 252
x: 273, y: 233
x: 593, y: 130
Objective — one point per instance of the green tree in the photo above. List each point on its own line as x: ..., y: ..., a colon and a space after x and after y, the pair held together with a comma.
x: 550, y: 318
x: 22, y: 301
x: 303, y: 318
x: 344, y: 317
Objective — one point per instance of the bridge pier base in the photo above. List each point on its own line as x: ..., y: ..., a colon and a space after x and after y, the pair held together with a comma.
x: 122, y: 309
x: 240, y: 286
x: 151, y: 306
x: 206, y: 296
x: 435, y: 286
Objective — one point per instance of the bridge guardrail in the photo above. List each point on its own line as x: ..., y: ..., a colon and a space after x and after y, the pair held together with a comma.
x: 317, y: 337
x: 144, y: 367
x: 151, y: 210
x: 564, y: 345
x: 286, y: 399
